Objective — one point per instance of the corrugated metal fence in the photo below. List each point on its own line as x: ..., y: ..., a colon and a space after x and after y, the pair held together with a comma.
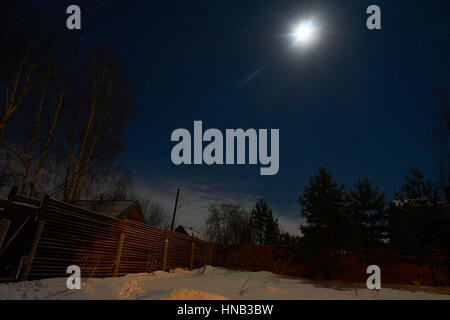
x: 41, y: 239
x: 102, y: 246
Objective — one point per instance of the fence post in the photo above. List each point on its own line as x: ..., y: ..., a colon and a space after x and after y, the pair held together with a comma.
x: 118, y: 255
x: 12, y: 193
x: 14, y: 235
x: 166, y: 246
x: 210, y: 253
x: 191, y: 262
x: 4, y: 226
x: 96, y: 264
x: 33, y: 248
x: 43, y: 209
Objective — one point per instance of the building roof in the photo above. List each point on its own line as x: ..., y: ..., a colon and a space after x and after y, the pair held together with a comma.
x: 112, y: 209
x: 189, y: 231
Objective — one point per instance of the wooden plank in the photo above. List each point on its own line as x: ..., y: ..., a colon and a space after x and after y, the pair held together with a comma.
x: 118, y: 255
x: 44, y: 206
x: 4, y: 226
x: 191, y: 262
x: 210, y: 254
x: 20, y: 266
x: 33, y: 248
x: 164, y: 262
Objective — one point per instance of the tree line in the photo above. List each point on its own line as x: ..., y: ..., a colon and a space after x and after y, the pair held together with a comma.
x: 232, y: 224
x: 416, y: 221
x: 361, y: 219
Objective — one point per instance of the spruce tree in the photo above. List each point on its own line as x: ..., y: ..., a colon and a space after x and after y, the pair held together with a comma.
x: 366, y: 207
x: 323, y: 204
x: 414, y: 215
x: 264, y: 225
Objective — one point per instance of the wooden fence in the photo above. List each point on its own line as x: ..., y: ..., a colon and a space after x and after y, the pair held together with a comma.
x: 62, y: 234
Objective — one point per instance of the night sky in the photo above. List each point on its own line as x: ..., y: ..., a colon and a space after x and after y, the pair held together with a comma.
x: 359, y: 102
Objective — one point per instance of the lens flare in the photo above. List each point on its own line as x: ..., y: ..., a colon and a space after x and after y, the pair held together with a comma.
x: 303, y: 32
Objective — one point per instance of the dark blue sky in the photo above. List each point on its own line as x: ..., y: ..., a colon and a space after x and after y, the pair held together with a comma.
x: 359, y: 102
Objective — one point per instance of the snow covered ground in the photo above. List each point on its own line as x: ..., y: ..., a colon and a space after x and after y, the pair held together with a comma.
x: 214, y: 283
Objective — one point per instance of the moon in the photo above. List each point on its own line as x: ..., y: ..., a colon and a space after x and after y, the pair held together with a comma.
x: 303, y: 32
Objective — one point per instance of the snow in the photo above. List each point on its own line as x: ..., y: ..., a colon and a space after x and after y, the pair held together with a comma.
x: 209, y: 284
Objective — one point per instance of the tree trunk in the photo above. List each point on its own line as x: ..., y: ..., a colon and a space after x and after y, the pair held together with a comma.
x: 10, y: 100
x: 106, y: 103
x: 69, y: 167
x: 37, y: 174
x: 89, y: 125
x: 35, y: 131
x: 11, y: 106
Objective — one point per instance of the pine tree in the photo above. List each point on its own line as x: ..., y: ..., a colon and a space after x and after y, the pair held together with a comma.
x: 366, y: 206
x: 323, y: 204
x: 414, y: 215
x: 264, y: 225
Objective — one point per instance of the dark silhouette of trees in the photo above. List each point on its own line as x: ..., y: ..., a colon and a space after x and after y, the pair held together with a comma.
x: 414, y: 215
x: 30, y: 65
x: 323, y: 204
x: 415, y: 222
x: 419, y: 220
x: 443, y: 141
x: 62, y: 112
x: 367, y: 213
x: 155, y: 214
x: 115, y: 185
x: 290, y: 241
x: 107, y: 112
x: 228, y: 224
x: 264, y: 225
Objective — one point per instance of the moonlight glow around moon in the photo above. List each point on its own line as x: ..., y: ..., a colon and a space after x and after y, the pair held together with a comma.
x: 303, y: 32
